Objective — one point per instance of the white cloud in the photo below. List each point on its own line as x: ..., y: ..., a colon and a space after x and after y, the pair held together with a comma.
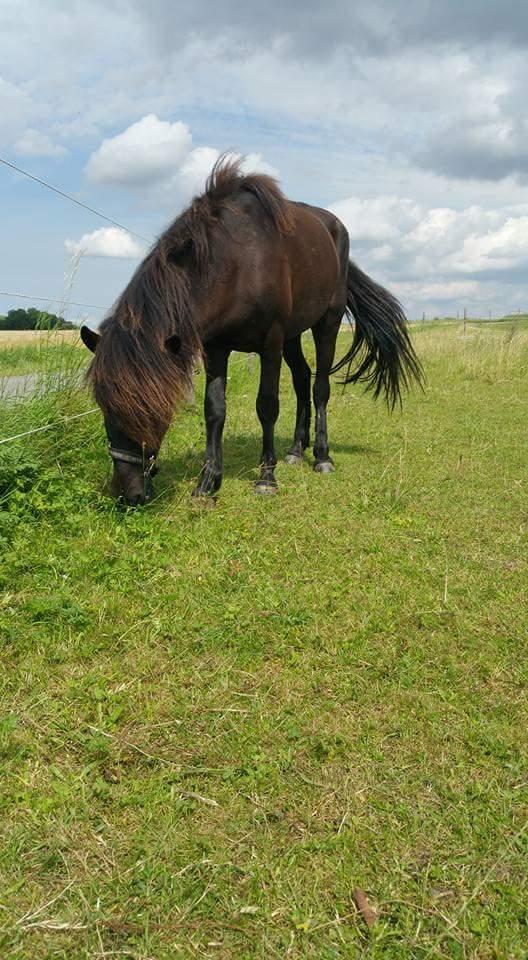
x: 193, y: 173
x: 441, y: 239
x: 381, y: 219
x: 157, y: 154
x: 503, y: 249
x: 148, y: 151
x: 255, y: 163
x: 443, y: 292
x: 420, y: 253
x: 106, y: 242
x: 196, y: 168
x: 410, y: 138
x: 471, y: 241
x: 33, y: 143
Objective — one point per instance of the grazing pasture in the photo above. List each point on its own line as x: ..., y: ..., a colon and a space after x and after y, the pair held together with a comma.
x: 218, y: 725
x: 27, y: 351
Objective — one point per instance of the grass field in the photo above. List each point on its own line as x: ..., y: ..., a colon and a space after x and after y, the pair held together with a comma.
x: 17, y: 338
x: 27, y: 351
x: 217, y: 724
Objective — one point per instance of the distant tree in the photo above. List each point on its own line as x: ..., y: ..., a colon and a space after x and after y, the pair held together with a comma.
x: 33, y: 319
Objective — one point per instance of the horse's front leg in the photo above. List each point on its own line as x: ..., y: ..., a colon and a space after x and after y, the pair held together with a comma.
x: 268, y: 408
x: 216, y: 358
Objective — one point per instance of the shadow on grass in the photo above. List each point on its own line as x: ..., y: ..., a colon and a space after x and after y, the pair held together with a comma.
x: 242, y: 457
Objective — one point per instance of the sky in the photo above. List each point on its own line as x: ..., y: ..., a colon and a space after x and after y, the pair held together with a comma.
x: 408, y: 120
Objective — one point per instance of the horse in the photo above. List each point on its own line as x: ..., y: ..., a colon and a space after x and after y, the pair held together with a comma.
x: 242, y: 268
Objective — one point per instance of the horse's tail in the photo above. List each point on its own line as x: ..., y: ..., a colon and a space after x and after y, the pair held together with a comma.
x: 381, y: 347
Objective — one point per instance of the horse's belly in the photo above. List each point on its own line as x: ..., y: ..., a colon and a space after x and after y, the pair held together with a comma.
x: 311, y: 302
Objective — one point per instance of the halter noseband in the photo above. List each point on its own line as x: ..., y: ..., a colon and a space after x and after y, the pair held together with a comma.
x: 147, y: 464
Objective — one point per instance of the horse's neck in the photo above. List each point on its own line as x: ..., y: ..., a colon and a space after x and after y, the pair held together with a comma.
x: 213, y: 298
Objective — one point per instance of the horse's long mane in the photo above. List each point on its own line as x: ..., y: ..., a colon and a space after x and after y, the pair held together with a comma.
x: 137, y: 381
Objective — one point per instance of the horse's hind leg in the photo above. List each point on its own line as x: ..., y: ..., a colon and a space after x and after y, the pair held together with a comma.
x: 325, y: 336
x: 268, y: 408
x: 216, y: 358
x: 301, y: 376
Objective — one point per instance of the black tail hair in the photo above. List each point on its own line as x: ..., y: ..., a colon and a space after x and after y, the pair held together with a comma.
x: 381, y: 345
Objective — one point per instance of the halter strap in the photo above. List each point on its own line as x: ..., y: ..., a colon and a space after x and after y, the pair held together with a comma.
x: 146, y: 463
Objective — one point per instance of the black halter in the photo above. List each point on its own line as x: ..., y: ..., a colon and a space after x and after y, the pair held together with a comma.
x: 147, y: 463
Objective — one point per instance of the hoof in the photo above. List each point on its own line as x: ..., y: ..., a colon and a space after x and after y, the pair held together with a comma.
x: 324, y: 466
x: 265, y: 489
x: 293, y: 459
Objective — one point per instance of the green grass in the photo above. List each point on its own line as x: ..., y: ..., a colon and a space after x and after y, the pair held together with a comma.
x: 49, y: 354
x: 216, y: 724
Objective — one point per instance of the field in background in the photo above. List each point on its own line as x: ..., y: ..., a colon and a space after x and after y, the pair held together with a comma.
x: 15, y: 338
x: 33, y: 351
x: 38, y: 351
x: 217, y: 723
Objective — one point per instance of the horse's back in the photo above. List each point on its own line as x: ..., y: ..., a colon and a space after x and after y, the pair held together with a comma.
x: 267, y: 275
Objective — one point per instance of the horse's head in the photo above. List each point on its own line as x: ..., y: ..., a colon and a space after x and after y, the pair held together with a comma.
x: 124, y: 400
x: 134, y: 467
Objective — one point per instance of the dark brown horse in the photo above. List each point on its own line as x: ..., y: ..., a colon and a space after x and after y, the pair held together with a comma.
x: 243, y: 268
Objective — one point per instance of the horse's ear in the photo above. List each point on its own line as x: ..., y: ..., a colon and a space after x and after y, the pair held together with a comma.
x: 90, y: 338
x: 173, y: 344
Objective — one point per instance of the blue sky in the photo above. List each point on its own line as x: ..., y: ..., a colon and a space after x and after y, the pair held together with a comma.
x: 407, y: 119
